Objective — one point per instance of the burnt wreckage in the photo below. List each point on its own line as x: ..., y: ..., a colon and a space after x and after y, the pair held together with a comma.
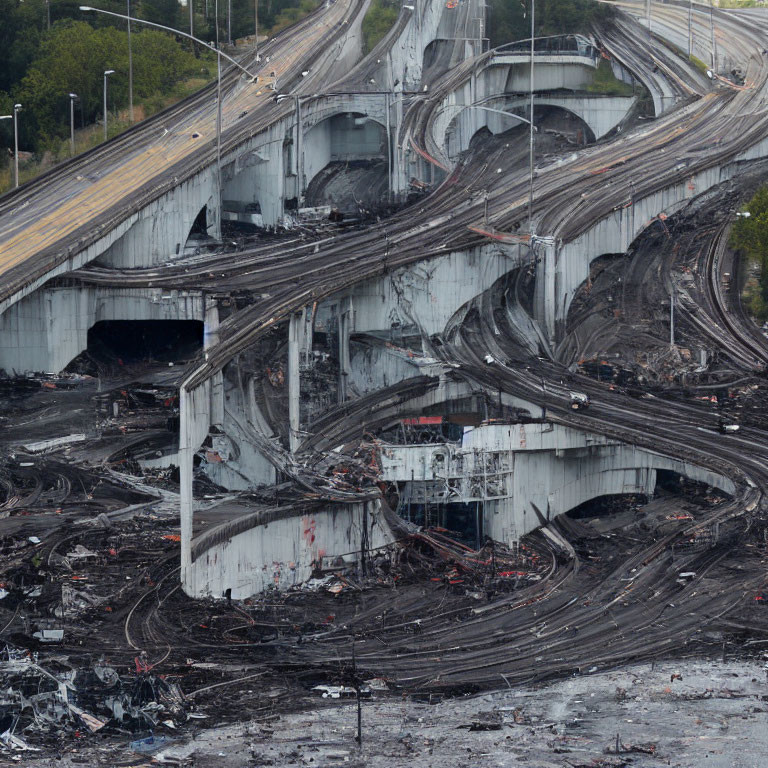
x: 383, y: 465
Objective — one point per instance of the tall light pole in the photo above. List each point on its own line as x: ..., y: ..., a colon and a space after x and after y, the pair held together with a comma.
x: 175, y: 32
x: 107, y: 73
x: 530, y: 116
x: 72, y: 99
x: 229, y: 22
x: 191, y: 19
x: 256, y: 28
x: 712, y: 31
x: 130, y: 65
x: 216, y: 23
x: 16, y: 110
x: 14, y: 117
x: 219, y: 56
x: 690, y: 28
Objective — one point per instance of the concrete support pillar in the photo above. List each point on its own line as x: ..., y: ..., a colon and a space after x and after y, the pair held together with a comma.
x: 210, y: 339
x: 474, y: 117
x: 186, y: 509
x: 545, y: 299
x: 307, y: 335
x: 255, y: 416
x: 214, y: 206
x: 211, y: 323
x: 399, y: 159
x: 217, y: 399
x: 299, y: 154
x: 345, y: 328
x: 294, y: 383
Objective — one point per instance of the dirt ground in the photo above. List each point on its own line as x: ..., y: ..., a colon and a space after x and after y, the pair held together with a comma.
x: 714, y: 716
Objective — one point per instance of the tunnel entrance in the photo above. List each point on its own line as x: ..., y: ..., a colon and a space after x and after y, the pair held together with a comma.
x: 134, y: 341
x: 418, y: 504
x: 200, y: 224
x: 561, y: 122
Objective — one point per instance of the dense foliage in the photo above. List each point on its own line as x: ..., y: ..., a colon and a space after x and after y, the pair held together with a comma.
x: 379, y: 19
x: 750, y: 235
x: 40, y: 66
x: 73, y: 57
x: 508, y: 20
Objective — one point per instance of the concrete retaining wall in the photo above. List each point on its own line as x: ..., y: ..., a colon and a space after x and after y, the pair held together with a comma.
x: 279, y: 552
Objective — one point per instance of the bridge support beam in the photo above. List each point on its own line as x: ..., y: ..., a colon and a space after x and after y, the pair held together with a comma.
x: 294, y: 381
x: 210, y: 339
x: 345, y: 327
x: 545, y: 297
x: 186, y: 502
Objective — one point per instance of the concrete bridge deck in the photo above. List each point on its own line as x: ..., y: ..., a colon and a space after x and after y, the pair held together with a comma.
x: 47, y: 223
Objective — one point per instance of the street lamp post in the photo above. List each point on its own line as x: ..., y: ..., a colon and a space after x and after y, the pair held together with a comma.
x: 219, y: 56
x: 175, y: 32
x: 531, y: 154
x: 690, y: 28
x: 14, y: 117
x: 107, y: 73
x: 216, y: 21
x: 16, y: 110
x: 72, y: 99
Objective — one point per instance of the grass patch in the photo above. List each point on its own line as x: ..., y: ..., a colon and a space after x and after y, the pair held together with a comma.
x: 379, y: 19
x: 698, y: 63
x: 607, y: 84
x: 289, y: 16
x: 739, y: 4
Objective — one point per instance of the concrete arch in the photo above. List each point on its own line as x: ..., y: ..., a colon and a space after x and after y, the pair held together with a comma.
x: 596, y: 116
x: 501, y: 84
x: 563, y: 267
x: 342, y: 136
x: 316, y: 110
x: 159, y: 231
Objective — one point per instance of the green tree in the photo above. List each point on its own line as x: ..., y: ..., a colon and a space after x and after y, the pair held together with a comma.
x: 166, y: 12
x: 508, y: 20
x: 73, y: 57
x: 380, y: 18
x: 19, y: 39
x: 750, y: 235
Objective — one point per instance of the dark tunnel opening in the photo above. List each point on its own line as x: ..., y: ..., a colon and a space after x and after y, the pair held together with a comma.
x: 131, y: 341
